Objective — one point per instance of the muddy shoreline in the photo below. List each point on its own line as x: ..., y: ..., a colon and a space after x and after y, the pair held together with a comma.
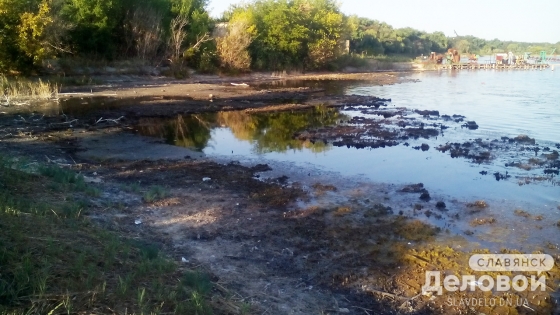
x: 168, y: 98
x: 281, y: 243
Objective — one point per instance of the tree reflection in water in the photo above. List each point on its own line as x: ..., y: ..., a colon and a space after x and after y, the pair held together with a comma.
x: 192, y: 131
x: 270, y: 131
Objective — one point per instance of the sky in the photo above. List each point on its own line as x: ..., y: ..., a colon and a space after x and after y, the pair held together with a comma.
x: 516, y: 20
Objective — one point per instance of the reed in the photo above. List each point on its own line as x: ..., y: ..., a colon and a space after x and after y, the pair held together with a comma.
x: 17, y: 89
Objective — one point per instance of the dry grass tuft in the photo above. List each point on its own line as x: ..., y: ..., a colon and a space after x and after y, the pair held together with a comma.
x: 15, y: 89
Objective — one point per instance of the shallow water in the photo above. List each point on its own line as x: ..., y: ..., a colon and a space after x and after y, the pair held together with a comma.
x: 507, y: 103
x: 503, y: 103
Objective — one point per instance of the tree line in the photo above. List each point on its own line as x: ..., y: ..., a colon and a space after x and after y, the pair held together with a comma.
x: 474, y: 45
x: 259, y: 35
x: 33, y: 31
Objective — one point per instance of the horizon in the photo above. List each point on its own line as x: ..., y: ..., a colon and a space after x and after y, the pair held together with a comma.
x: 492, y: 20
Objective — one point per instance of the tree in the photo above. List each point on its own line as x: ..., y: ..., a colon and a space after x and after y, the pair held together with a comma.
x: 145, y: 31
x: 326, y: 33
x: 463, y: 46
x: 177, y: 36
x: 178, y: 48
x: 29, y: 33
x: 373, y: 37
x: 233, y: 47
x: 197, y: 30
x: 293, y: 33
x: 97, y: 27
x: 117, y: 29
x: 513, y: 48
x: 438, y: 41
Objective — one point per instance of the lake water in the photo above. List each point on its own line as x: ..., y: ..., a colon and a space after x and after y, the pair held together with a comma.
x: 503, y: 103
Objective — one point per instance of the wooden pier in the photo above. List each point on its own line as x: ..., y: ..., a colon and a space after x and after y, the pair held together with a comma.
x: 486, y: 66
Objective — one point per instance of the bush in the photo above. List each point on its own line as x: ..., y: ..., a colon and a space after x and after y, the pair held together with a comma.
x: 233, y: 47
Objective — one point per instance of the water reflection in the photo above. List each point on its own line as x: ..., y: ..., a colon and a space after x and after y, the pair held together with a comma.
x: 191, y: 131
x: 269, y: 132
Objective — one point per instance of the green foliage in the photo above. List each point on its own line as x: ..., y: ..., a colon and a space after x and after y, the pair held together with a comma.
x: 197, y: 281
x: 293, y: 33
x: 371, y: 37
x: 23, y: 26
x: 98, y: 26
x: 155, y: 193
x: 474, y: 45
x: 278, y: 35
x: 36, y: 30
x: 93, y: 192
x: 133, y: 188
x: 32, y: 30
x: 196, y: 286
x: 199, y: 24
x: 61, y: 175
x: 148, y: 250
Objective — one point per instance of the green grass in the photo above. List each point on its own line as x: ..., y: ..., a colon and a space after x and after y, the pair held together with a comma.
x: 92, y: 191
x: 63, y: 176
x: 155, y: 193
x: 133, y: 188
x: 55, y: 261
